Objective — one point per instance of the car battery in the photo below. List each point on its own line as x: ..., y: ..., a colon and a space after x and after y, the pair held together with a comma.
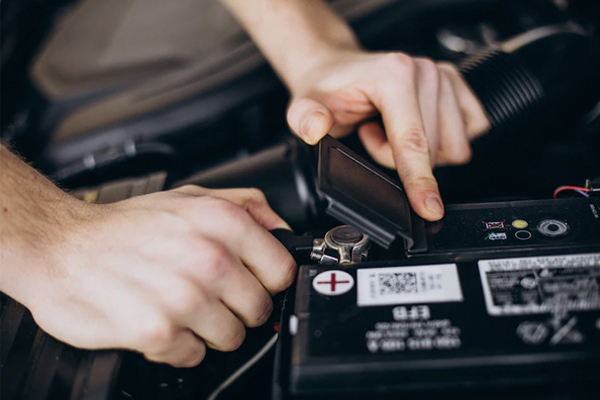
x: 494, y: 298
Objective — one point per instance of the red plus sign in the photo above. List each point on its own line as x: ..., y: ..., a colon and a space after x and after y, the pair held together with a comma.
x: 332, y: 282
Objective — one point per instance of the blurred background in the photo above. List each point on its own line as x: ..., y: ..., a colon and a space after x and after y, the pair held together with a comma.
x: 94, y: 91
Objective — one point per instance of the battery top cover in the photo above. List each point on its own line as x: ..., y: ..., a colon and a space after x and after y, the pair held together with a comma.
x: 397, y: 327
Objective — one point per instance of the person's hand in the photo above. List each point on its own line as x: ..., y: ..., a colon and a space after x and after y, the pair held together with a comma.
x: 164, y: 274
x: 429, y: 115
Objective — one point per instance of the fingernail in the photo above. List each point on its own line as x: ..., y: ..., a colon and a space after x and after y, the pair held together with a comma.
x: 284, y: 225
x: 434, y: 204
x: 309, y: 125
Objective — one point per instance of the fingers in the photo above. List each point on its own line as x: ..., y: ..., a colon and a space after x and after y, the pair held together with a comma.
x: 309, y: 119
x: 218, y: 327
x: 476, y: 122
x: 213, y: 295
x: 394, y: 93
x: 234, y: 215
x: 246, y: 297
x: 373, y: 138
x: 198, y: 269
x: 233, y: 265
x: 454, y: 145
x: 267, y: 259
x: 429, y: 114
x: 221, y: 272
x: 231, y: 225
x: 215, y: 298
x: 255, y: 203
x: 442, y: 119
x: 428, y: 91
x: 230, y: 218
x: 252, y: 200
x: 184, y: 350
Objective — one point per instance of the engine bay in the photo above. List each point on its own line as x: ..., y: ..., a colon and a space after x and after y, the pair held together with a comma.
x: 500, y: 298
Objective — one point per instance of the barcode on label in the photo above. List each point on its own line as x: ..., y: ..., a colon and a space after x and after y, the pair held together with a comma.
x: 408, y: 285
x: 398, y: 282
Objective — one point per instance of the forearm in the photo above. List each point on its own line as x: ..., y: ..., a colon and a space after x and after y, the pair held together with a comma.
x: 33, y: 212
x: 301, y: 34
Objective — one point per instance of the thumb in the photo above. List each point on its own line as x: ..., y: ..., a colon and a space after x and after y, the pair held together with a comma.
x: 309, y: 119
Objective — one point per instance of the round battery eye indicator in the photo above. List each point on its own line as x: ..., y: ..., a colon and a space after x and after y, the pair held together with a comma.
x: 553, y: 228
x: 523, y: 235
x: 520, y: 224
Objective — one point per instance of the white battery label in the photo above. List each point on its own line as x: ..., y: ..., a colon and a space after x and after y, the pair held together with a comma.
x: 538, y: 285
x: 408, y: 285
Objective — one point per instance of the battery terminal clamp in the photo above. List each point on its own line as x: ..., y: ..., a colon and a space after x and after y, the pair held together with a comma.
x: 341, y: 245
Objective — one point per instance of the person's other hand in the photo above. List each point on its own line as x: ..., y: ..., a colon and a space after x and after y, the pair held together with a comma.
x: 429, y: 115
x: 164, y: 274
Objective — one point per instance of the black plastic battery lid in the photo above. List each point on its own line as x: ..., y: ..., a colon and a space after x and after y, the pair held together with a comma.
x: 360, y: 195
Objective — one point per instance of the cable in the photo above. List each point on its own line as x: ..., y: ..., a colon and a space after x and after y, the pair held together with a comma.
x: 581, y: 190
x: 240, y: 371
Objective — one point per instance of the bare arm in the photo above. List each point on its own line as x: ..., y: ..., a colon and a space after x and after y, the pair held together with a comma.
x: 429, y: 113
x: 165, y: 274
x: 295, y: 35
x: 34, y: 215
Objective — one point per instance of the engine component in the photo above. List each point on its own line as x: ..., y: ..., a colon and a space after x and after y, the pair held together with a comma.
x: 526, y: 78
x: 553, y: 228
x: 341, y: 245
x: 503, y: 296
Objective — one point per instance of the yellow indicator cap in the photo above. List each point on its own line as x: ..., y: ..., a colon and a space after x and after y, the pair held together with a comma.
x: 520, y: 224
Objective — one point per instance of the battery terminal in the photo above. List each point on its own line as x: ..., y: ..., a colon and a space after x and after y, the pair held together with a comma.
x: 593, y: 186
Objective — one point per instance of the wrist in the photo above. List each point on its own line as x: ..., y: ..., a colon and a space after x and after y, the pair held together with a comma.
x: 35, y: 243
x: 296, y: 36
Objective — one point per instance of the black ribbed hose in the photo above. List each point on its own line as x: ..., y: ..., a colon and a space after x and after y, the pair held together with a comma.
x: 541, y: 77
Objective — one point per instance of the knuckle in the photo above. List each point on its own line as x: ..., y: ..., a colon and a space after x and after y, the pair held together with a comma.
x: 421, y: 181
x: 156, y: 335
x: 428, y: 68
x: 263, y: 313
x: 235, y: 339
x: 284, y: 277
x: 189, y: 188
x: 414, y: 139
x: 161, y: 218
x: 156, y: 358
x: 196, y: 356
x: 301, y: 102
x: 186, y: 300
x: 256, y: 196
x: 399, y: 62
x: 481, y: 126
x: 448, y: 67
x: 216, y: 263
x: 221, y: 207
x: 462, y: 156
x: 486, y: 125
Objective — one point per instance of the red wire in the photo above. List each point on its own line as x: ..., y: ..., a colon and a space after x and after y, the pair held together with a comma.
x: 563, y: 188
